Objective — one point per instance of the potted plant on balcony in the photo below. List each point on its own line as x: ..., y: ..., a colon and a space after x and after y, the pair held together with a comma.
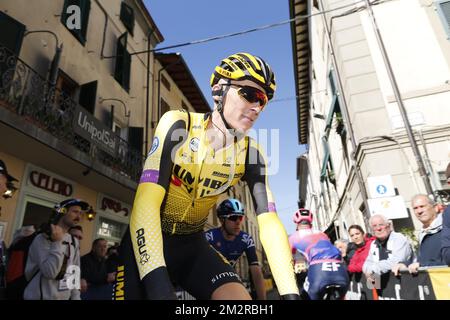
x: 339, y: 123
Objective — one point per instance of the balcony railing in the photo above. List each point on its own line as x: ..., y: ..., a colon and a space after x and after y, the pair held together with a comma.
x: 26, y: 93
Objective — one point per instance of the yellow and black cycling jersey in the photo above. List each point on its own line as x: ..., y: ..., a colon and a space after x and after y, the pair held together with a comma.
x: 181, y: 181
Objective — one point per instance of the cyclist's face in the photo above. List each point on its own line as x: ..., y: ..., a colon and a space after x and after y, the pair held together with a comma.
x: 233, y: 227
x: 356, y: 236
x: 238, y: 111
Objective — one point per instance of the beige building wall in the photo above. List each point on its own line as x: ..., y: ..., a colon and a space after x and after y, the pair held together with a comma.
x: 419, y: 52
x: 83, y: 64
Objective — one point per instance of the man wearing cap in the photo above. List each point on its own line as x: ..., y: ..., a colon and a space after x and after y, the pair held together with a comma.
x: 53, y: 265
x: 5, y: 178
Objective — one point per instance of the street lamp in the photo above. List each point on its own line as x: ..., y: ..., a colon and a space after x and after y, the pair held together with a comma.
x: 90, y: 213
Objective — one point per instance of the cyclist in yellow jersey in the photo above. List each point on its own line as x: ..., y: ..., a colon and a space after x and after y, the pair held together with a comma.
x: 193, y: 159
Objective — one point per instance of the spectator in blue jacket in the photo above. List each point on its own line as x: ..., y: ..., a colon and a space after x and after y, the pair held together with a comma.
x: 445, y: 238
x: 427, y: 213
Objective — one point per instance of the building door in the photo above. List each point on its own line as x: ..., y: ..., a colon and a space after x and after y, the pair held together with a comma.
x: 37, y: 211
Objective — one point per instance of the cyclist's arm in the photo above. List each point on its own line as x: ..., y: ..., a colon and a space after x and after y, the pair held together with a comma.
x: 145, y: 223
x: 255, y: 268
x: 258, y: 281
x: 272, y: 233
x: 292, y: 240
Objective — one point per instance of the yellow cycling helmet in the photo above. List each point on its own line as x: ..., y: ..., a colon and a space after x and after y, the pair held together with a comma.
x: 244, y: 66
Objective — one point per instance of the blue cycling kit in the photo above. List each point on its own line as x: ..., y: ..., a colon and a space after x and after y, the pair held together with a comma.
x: 233, y: 249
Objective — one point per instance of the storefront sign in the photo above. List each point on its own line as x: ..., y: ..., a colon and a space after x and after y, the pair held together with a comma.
x: 45, y: 181
x: 390, y: 207
x: 116, y: 206
x: 92, y: 129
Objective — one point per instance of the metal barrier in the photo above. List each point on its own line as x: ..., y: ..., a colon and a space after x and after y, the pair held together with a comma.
x: 431, y: 283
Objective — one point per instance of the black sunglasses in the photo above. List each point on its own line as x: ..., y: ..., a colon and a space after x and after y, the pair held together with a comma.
x: 252, y: 95
x: 235, y: 217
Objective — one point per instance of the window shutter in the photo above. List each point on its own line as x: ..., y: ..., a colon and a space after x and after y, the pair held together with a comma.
x: 111, y: 117
x: 12, y: 39
x: 127, y: 17
x: 88, y: 94
x: 123, y: 62
x: 136, y: 138
x: 164, y: 107
x: 443, y: 8
x: 126, y: 70
x: 85, y: 10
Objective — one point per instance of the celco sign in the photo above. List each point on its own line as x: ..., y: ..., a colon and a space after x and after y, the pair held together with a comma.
x: 49, y: 183
x: 93, y: 130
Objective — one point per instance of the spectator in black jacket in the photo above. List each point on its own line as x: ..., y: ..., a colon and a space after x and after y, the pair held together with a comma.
x: 112, y: 261
x: 445, y: 238
x: 95, y: 282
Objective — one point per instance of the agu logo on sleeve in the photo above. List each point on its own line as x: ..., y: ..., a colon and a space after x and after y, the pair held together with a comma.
x: 155, y: 146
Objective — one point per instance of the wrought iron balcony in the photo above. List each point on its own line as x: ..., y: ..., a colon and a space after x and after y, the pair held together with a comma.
x: 26, y: 93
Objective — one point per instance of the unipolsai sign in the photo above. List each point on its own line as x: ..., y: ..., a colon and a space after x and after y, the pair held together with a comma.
x: 90, y: 128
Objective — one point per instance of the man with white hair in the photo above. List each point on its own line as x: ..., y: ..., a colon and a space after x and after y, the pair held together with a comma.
x: 388, y: 249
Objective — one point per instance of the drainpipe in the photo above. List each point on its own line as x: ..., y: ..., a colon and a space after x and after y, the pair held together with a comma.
x: 398, y: 97
x: 147, y: 91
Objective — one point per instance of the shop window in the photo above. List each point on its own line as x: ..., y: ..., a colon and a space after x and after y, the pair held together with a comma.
x: 111, y: 230
x: 37, y: 212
